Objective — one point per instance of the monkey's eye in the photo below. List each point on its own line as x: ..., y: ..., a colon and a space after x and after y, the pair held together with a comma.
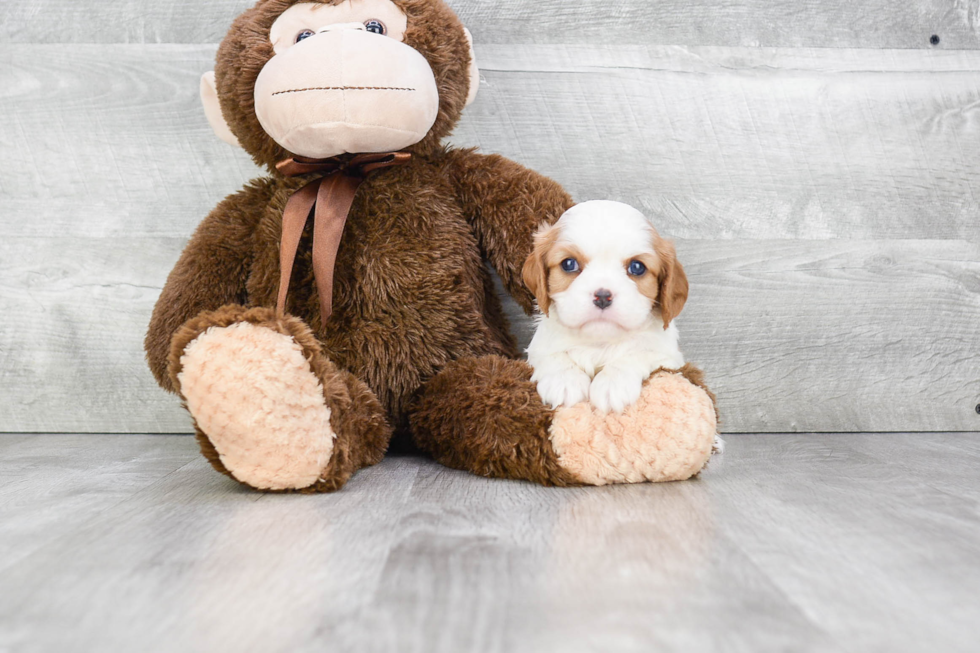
x: 636, y: 269
x: 375, y: 26
x: 569, y: 265
x: 304, y: 34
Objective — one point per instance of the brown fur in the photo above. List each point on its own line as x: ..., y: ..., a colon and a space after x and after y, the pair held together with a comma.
x: 433, y: 30
x: 356, y: 415
x: 647, y: 283
x: 535, y: 270
x: 412, y: 292
x: 558, y: 279
x: 563, y: 251
x: 484, y: 415
x: 696, y: 376
x: 211, y: 271
x: 542, y: 271
x: 665, y: 282
x: 672, y: 293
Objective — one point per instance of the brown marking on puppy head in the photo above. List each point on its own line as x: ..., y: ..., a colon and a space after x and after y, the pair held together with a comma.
x: 672, y: 290
x: 535, y: 271
x: 664, y: 281
x: 558, y: 279
x: 543, y: 274
x: 647, y: 283
x: 433, y: 29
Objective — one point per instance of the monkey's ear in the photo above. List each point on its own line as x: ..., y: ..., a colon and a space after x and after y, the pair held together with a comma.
x: 212, y: 109
x: 474, y: 71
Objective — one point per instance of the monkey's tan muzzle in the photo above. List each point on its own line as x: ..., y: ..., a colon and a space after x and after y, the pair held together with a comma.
x: 346, y: 90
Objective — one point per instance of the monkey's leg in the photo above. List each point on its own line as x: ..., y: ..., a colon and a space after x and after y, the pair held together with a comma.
x: 484, y: 415
x: 270, y: 410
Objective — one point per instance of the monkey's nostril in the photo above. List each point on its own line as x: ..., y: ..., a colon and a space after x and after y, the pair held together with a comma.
x: 603, y: 298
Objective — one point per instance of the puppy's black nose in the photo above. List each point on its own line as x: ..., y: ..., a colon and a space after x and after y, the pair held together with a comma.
x: 603, y: 298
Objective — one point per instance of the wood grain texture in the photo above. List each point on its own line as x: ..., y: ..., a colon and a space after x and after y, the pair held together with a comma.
x: 71, y: 349
x: 873, y: 335
x: 49, y: 486
x: 105, y: 141
x: 794, y: 335
x: 718, y: 142
x: 838, y: 186
x: 847, y: 517
x: 832, y: 335
x: 785, y: 543
x: 743, y: 143
x: 786, y: 23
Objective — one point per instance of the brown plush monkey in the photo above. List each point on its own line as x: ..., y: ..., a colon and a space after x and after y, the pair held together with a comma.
x: 388, y: 323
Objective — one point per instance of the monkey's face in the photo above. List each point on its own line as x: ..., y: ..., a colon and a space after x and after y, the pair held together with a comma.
x: 328, y: 78
x: 342, y: 81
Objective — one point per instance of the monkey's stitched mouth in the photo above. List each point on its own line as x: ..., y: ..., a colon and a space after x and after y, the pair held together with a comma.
x: 344, y: 88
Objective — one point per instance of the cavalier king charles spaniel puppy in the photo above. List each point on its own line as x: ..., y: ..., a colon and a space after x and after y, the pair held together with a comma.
x: 608, y: 288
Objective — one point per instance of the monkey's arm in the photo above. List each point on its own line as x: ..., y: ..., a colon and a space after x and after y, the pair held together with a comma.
x: 505, y: 203
x: 210, y: 273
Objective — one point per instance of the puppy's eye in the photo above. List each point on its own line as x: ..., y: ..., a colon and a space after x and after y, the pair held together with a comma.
x: 304, y: 34
x: 569, y: 265
x: 375, y: 26
x: 636, y: 268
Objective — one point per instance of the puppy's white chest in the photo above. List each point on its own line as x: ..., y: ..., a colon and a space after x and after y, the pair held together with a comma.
x: 590, y: 360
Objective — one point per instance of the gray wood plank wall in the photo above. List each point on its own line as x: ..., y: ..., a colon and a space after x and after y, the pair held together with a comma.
x: 817, y: 162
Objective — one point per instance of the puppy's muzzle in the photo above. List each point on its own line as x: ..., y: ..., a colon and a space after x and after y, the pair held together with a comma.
x: 603, y: 298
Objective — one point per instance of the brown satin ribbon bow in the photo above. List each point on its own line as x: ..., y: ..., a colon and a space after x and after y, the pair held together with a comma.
x: 329, y: 198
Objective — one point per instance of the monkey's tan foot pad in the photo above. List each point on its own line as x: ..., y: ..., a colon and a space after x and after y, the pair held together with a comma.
x: 254, y: 395
x: 667, y: 435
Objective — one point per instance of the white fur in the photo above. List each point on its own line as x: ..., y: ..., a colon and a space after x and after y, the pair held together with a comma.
x: 581, y: 352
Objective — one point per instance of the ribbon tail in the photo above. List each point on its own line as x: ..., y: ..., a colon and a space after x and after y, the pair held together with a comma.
x: 330, y: 199
x: 333, y: 202
x: 294, y: 219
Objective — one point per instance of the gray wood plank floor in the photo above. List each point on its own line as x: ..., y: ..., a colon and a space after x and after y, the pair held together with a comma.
x: 787, y: 542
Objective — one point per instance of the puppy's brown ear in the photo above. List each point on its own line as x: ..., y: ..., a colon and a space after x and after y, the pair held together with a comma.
x: 673, y: 281
x: 535, y: 270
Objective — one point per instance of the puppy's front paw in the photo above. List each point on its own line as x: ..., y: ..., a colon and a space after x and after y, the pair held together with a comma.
x: 565, y: 389
x: 614, y: 391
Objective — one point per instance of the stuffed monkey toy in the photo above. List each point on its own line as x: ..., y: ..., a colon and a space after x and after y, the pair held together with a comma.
x: 346, y: 297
